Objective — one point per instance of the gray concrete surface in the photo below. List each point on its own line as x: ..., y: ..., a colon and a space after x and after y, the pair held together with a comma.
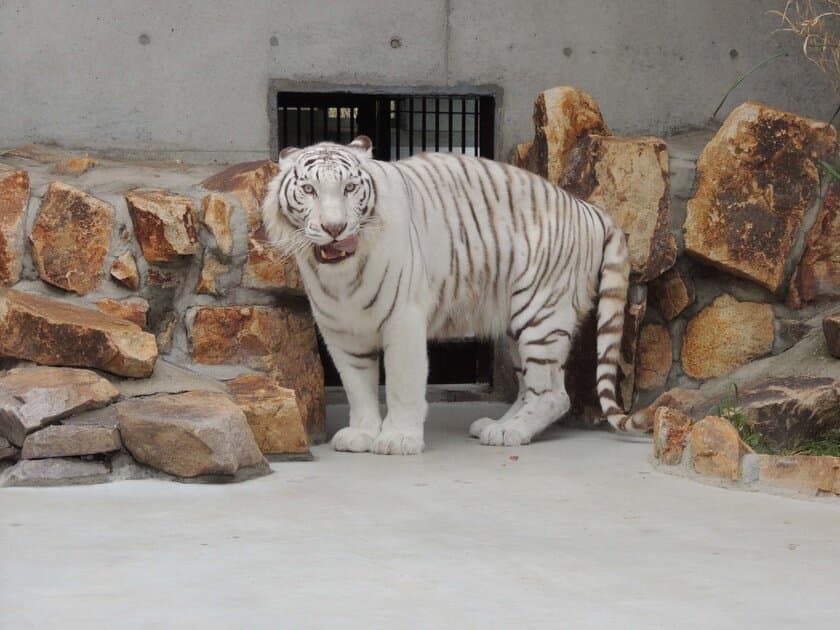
x: 190, y: 79
x: 576, y: 533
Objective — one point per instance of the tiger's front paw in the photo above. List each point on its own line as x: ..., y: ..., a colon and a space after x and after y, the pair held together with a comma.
x: 398, y: 443
x: 353, y: 440
x: 508, y: 433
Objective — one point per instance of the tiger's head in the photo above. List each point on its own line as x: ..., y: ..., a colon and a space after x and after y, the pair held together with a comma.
x: 321, y: 200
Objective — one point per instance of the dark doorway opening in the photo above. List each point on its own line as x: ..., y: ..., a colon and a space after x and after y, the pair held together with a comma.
x: 400, y: 125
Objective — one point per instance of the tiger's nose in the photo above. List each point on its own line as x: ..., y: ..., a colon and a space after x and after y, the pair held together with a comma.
x: 333, y: 229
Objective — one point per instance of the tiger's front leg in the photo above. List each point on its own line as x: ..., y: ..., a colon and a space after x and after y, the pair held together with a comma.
x: 406, y: 369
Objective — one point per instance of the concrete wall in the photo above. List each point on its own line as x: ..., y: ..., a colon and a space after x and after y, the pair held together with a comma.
x: 189, y: 79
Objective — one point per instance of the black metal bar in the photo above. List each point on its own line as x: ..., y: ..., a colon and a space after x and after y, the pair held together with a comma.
x: 475, y: 127
x: 463, y: 125
x: 437, y: 124
x: 352, y: 123
x: 423, y: 122
x: 298, y: 126
x: 285, y: 128
x: 311, y: 126
x: 326, y: 122
x: 398, y: 125
x: 410, y: 126
x: 487, y: 120
x: 450, y: 99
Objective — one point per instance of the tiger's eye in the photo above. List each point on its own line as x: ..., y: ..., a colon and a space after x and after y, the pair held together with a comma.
x: 308, y: 189
x: 349, y: 188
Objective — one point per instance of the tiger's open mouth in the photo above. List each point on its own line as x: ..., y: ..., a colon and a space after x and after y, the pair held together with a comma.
x: 336, y: 251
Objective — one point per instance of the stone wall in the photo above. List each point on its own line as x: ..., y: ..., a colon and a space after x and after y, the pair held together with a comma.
x: 158, y: 277
x: 734, y: 240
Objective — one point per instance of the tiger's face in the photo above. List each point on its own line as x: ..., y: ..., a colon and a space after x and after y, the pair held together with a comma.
x: 326, y: 195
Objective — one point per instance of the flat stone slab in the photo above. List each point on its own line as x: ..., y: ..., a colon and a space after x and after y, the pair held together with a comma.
x: 50, y: 332
x: 32, y: 398
x: 55, y: 472
x: 69, y: 441
x: 7, y: 450
x: 189, y: 434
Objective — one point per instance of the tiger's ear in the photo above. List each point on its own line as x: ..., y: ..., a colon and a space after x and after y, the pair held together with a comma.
x: 362, y: 146
x: 286, y: 156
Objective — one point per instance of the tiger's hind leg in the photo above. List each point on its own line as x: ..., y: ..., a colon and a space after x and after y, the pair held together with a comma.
x: 478, y: 426
x: 543, y: 348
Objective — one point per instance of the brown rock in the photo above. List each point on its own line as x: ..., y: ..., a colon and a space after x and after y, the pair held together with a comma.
x: 14, y: 199
x: 134, y: 309
x: 265, y: 268
x: 166, y: 332
x: 71, y: 238
x: 803, y: 473
x: 687, y: 401
x: 247, y: 181
x: 757, y: 177
x: 726, y: 335
x: 165, y: 224
x: 273, y: 414
x: 211, y: 268
x: 216, y: 213
x: 787, y: 411
x: 831, y: 330
x: 520, y: 155
x: 672, y: 293
x: 75, y: 166
x: 7, y: 450
x: 124, y: 270
x: 279, y: 340
x: 670, y: 434
x: 628, y: 177
x: 68, y: 441
x: 32, y: 398
x: 55, y: 333
x: 716, y: 448
x: 55, y: 471
x: 562, y: 117
x: 190, y: 434
x: 817, y: 278
x: 655, y: 352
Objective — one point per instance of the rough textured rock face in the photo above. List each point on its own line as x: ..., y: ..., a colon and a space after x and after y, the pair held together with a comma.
x: 190, y: 434
x: 134, y: 309
x: 264, y: 268
x: 55, y: 471
x: 670, y: 434
x: 831, y: 330
x: 562, y: 117
x: 678, y: 399
x: 8, y: 450
x: 216, y: 213
x: 124, y: 271
x: 75, y: 166
x: 69, y: 441
x: 628, y: 177
x: 817, y: 278
x: 55, y: 333
x: 816, y: 474
x: 726, y: 335
x: 788, y: 411
x: 165, y: 224
x: 672, y: 293
x: 521, y: 155
x: 32, y: 398
x: 14, y: 199
x: 211, y: 269
x: 71, y: 238
x: 655, y: 352
x: 273, y: 414
x: 716, y: 448
x: 757, y: 177
x: 280, y: 341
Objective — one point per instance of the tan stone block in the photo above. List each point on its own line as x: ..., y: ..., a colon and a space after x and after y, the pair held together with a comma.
x: 75, y: 166
x: 71, y: 238
x: 14, y: 200
x: 124, y: 270
x: 726, y: 335
x: 817, y: 277
x: 50, y: 332
x: 134, y: 309
x: 211, y: 269
x: 273, y: 414
x: 216, y: 213
x: 520, y: 157
x: 165, y: 224
x: 655, y: 357
x: 716, y: 448
x: 670, y: 435
x: 802, y: 473
x: 683, y: 400
x: 672, y: 293
x: 70, y: 441
x: 757, y: 177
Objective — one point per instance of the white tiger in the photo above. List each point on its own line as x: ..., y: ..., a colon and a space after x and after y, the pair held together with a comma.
x: 436, y: 246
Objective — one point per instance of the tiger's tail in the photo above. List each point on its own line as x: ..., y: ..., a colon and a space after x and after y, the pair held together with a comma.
x: 612, y: 299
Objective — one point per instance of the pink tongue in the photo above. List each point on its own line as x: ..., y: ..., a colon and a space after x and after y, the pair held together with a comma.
x: 347, y: 245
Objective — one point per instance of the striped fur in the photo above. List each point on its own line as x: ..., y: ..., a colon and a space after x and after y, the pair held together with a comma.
x: 448, y: 246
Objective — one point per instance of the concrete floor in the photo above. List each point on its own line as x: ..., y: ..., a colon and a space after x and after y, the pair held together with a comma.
x: 576, y: 533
